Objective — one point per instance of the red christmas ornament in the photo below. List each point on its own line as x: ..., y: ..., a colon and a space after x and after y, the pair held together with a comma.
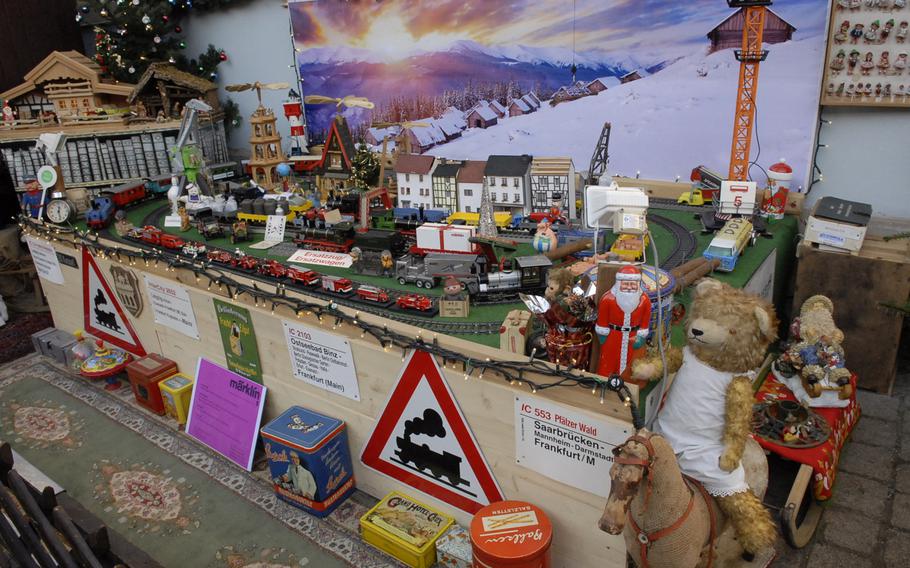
x: 222, y: 56
x: 165, y: 18
x: 178, y: 29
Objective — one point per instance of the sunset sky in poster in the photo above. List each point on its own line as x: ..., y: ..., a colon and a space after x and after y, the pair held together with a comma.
x: 396, y: 28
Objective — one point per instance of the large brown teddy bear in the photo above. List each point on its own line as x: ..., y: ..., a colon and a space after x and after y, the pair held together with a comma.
x: 708, y: 409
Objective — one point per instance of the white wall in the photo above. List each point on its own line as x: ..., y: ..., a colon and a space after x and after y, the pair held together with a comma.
x: 257, y: 39
x: 867, y: 159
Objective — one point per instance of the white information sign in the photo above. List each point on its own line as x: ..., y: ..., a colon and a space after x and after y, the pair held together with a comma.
x: 321, y: 258
x: 274, y: 228
x: 171, y: 306
x: 565, y: 445
x: 322, y: 359
x: 45, y: 258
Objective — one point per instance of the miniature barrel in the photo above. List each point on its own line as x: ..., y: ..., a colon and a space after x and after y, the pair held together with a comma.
x: 269, y: 206
x: 259, y: 206
x: 511, y: 534
x: 246, y: 206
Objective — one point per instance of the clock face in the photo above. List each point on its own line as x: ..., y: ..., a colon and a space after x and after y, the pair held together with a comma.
x: 59, y: 211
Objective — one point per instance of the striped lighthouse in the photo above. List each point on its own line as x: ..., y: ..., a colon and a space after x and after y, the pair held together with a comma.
x: 293, y: 111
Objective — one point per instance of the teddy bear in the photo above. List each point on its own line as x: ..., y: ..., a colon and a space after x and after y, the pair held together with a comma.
x: 816, y: 352
x: 707, y: 412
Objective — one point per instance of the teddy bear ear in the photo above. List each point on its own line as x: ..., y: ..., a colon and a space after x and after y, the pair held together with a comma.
x: 764, y: 322
x: 707, y: 286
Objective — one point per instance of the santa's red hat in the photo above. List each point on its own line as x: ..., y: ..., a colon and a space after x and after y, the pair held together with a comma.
x: 629, y: 273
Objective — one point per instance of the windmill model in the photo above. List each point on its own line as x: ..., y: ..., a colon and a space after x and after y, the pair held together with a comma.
x: 398, y: 137
x: 265, y: 140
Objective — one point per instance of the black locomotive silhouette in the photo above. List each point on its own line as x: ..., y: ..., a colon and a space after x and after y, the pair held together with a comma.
x: 439, y: 465
x: 107, y: 319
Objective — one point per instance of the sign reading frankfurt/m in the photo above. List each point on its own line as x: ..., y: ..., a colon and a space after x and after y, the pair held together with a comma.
x: 322, y: 359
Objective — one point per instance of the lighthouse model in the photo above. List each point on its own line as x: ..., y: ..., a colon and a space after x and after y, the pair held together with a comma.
x: 293, y: 111
x: 780, y: 176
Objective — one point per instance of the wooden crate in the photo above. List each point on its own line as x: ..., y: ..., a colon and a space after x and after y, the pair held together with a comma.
x: 857, y: 285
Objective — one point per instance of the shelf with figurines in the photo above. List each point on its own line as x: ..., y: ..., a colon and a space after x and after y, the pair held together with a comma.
x: 867, y: 55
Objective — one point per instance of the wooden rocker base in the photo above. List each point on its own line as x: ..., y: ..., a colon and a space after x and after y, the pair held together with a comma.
x: 801, y: 514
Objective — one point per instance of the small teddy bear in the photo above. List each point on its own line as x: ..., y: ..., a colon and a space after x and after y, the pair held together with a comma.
x: 817, y: 353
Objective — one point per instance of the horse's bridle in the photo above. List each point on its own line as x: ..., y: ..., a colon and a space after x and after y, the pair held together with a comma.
x: 646, y: 539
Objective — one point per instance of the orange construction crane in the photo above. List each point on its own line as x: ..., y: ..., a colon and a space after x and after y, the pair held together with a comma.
x: 749, y: 57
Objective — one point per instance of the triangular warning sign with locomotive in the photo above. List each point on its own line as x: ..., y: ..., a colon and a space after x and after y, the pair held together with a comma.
x: 104, y: 318
x: 423, y: 440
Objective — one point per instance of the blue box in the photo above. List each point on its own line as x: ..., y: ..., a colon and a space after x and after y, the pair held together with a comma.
x: 309, y: 461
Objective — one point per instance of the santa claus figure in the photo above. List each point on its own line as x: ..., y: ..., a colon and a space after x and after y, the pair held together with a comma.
x: 8, y: 115
x: 623, y: 317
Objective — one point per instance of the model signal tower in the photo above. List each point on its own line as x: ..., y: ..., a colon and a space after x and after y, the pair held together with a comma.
x: 750, y: 57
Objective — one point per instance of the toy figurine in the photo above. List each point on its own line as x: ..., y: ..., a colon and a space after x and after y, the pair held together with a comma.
x: 707, y: 412
x: 544, y: 238
x: 838, y: 63
x: 872, y: 34
x: 901, y: 34
x: 160, y: 117
x: 239, y: 232
x: 386, y: 264
x: 452, y: 290
x: 901, y: 64
x: 884, y: 63
x: 122, y: 225
x: 623, y: 317
x: 82, y: 350
x: 840, y: 90
x: 356, y: 260
x: 184, y: 219
x: 856, y: 33
x: 855, y: 5
x: 569, y: 313
x: 886, y: 30
x: 852, y: 60
x: 900, y: 4
x: 850, y: 90
x: 868, y: 64
x: 8, y: 115
x: 815, y: 361
x: 844, y: 33
x: 843, y: 4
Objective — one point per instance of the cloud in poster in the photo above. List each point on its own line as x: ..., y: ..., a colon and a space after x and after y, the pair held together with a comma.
x: 393, y: 30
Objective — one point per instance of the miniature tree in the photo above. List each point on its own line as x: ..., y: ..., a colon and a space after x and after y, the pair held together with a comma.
x: 486, y: 226
x: 364, y: 168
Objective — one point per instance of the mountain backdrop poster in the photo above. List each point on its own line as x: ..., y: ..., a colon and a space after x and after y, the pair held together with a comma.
x: 484, y: 77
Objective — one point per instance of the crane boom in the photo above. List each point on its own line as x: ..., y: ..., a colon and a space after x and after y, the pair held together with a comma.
x: 750, y: 57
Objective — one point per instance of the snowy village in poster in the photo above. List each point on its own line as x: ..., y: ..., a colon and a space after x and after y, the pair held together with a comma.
x: 481, y: 78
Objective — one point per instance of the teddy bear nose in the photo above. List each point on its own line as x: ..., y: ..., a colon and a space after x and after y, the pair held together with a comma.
x: 697, y: 332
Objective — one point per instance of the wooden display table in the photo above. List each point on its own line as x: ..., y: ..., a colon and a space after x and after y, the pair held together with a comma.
x: 490, y: 405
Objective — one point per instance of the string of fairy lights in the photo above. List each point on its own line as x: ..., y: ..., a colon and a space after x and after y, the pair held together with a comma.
x: 516, y: 373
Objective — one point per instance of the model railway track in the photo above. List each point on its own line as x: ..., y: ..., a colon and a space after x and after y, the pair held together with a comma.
x: 423, y: 322
x: 672, y: 205
x: 686, y: 243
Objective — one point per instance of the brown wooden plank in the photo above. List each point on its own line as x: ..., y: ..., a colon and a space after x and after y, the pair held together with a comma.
x: 857, y: 284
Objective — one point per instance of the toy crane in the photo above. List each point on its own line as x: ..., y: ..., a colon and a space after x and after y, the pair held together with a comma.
x: 600, y: 160
x: 749, y: 57
x: 186, y: 157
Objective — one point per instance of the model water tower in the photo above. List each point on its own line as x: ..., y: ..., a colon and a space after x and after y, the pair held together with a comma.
x: 293, y: 111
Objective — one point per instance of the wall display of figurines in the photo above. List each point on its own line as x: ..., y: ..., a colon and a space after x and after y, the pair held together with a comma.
x: 868, y: 50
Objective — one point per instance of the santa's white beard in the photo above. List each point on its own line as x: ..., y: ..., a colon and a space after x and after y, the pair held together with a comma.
x: 627, y: 301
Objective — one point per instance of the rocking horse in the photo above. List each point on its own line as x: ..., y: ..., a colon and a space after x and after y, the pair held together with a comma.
x: 668, y: 520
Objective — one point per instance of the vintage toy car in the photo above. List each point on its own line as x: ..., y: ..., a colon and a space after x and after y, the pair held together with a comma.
x: 414, y: 302
x: 209, y: 228
x: 303, y: 276
x: 273, y: 268
x: 372, y: 293
x: 246, y: 262
x: 337, y: 284
x: 219, y: 256
x: 193, y: 248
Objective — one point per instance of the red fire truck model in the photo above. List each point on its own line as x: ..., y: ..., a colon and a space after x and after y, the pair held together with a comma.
x: 372, y: 293
x: 337, y: 284
x: 414, y: 302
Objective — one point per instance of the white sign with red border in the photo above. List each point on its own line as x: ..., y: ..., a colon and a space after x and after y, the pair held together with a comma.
x: 321, y: 258
x: 104, y: 317
x: 423, y: 440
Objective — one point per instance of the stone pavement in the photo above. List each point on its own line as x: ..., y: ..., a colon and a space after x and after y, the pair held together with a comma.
x: 867, y: 523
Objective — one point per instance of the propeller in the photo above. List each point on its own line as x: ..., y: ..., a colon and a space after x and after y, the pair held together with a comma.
x: 258, y: 86
x: 348, y: 101
x: 405, y: 124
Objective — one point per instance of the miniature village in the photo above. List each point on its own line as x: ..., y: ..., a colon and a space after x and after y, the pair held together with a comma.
x: 571, y: 329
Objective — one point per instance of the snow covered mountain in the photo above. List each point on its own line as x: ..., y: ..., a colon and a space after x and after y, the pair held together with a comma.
x: 669, y: 122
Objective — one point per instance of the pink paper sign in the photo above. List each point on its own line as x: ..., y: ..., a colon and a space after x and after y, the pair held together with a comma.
x: 225, y: 412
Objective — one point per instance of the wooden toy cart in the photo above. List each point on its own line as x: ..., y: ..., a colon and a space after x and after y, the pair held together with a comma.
x: 815, y: 467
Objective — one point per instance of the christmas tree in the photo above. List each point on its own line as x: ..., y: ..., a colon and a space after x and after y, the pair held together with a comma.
x: 364, y: 168
x: 131, y: 34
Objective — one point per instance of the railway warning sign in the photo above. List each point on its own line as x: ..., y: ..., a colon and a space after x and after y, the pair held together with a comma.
x: 423, y: 440
x: 104, y: 318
